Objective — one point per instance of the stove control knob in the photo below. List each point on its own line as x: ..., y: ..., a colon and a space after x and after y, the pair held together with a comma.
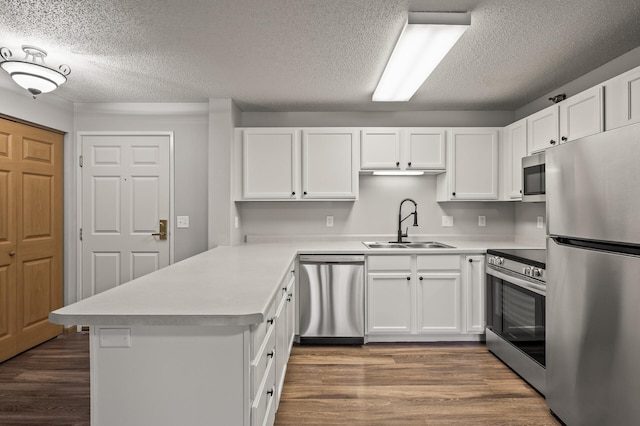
x: 500, y: 261
x: 536, y: 272
x: 527, y: 271
x: 491, y: 260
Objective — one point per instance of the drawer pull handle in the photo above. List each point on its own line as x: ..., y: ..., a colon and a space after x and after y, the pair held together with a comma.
x: 270, y: 354
x: 289, y: 298
x: 270, y: 391
x: 271, y: 320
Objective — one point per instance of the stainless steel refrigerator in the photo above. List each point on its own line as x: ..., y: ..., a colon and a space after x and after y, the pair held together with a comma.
x: 593, y: 284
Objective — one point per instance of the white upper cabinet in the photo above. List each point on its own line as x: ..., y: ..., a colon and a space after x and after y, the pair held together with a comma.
x: 329, y: 164
x: 542, y: 129
x: 277, y: 165
x: 472, y: 166
x: 417, y: 148
x: 581, y: 115
x: 424, y: 148
x: 516, y: 144
x: 622, y: 99
x: 270, y: 164
x: 380, y: 149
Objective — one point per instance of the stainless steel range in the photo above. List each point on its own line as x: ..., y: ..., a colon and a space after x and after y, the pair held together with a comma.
x: 516, y: 293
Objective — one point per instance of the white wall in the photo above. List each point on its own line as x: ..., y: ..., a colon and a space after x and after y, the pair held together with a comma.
x: 526, y: 220
x: 190, y: 124
x: 376, y: 212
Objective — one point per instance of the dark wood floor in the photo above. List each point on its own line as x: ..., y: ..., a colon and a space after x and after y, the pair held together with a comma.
x: 376, y: 384
x: 47, y: 385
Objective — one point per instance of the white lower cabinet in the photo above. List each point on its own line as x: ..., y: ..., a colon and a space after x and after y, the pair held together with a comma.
x: 424, y: 297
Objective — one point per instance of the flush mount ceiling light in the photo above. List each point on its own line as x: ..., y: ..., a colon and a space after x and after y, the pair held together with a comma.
x: 31, y: 73
x: 425, y: 40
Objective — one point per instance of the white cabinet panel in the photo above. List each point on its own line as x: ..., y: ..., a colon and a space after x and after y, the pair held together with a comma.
x: 329, y: 165
x: 516, y: 142
x: 622, y: 99
x: 425, y: 148
x: 439, y: 303
x: 542, y: 129
x: 472, y: 167
x: 380, y: 149
x: 270, y: 163
x: 581, y: 115
x: 389, y: 303
x: 475, y: 293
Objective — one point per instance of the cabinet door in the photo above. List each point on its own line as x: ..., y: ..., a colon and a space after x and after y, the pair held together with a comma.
x: 291, y: 315
x: 542, y: 129
x: 516, y: 135
x: 389, y: 303
x: 474, y: 164
x: 380, y: 149
x: 282, y: 355
x: 439, y: 303
x: 270, y: 164
x: 329, y: 165
x: 622, y: 100
x: 424, y: 149
x: 581, y: 115
x: 475, y: 294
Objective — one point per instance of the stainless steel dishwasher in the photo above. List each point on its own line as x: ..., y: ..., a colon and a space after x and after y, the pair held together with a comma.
x: 331, y: 299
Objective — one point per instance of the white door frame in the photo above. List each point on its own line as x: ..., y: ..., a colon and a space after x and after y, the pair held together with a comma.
x: 79, y: 200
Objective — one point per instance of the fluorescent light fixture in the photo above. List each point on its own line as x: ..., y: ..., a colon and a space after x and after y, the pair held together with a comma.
x: 398, y: 173
x: 425, y: 40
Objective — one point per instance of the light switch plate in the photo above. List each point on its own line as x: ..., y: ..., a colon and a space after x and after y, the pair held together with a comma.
x: 329, y: 221
x: 482, y: 221
x: 182, y: 221
x: 540, y: 223
x: 447, y: 221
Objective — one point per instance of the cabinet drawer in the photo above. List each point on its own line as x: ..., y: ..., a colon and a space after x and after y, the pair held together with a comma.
x: 389, y: 263
x: 259, y: 331
x: 436, y: 261
x: 266, y: 353
x: 264, y: 403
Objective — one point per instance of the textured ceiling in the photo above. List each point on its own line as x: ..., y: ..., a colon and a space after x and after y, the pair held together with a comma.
x: 314, y: 55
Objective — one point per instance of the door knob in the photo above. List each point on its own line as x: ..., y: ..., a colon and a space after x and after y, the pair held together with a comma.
x: 162, y: 231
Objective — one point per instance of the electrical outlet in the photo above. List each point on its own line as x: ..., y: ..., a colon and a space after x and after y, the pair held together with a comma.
x: 329, y: 221
x: 482, y: 221
x: 182, y: 221
x: 540, y: 223
x: 236, y: 222
x: 447, y: 221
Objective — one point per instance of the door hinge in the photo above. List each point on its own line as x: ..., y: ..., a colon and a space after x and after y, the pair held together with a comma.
x: 80, y: 234
x: 80, y: 161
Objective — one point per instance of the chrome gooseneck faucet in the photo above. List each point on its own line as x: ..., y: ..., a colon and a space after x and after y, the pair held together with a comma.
x: 401, y: 219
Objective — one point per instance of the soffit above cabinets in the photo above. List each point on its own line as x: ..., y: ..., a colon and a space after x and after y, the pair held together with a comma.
x: 315, y: 55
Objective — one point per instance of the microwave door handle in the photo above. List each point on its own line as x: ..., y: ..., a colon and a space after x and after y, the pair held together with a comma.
x: 536, y: 288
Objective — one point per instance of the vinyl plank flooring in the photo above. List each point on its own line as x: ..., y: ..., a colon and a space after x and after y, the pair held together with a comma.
x: 375, y: 384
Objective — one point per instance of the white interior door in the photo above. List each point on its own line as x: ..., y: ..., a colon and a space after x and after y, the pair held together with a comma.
x: 126, y: 192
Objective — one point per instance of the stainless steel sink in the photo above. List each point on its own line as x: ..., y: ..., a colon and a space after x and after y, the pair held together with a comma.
x: 405, y: 245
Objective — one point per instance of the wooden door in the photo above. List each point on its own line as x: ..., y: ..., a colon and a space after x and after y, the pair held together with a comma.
x: 125, y: 194
x: 31, y: 240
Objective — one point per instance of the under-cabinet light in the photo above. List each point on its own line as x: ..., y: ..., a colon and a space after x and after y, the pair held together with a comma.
x: 398, y: 173
x: 425, y: 40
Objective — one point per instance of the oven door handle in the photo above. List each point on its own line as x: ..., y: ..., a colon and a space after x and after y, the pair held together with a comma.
x: 536, y: 288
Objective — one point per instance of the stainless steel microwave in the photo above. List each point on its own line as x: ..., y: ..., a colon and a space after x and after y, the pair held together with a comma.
x: 533, y: 178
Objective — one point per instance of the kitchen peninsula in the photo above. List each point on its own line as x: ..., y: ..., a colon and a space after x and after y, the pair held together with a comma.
x: 206, y: 339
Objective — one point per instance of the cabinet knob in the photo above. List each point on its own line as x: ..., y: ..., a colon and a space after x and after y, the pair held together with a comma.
x: 564, y: 138
x: 408, y: 278
x: 397, y: 163
x: 304, y: 193
x: 293, y: 193
x: 270, y: 354
x: 270, y: 392
x: 552, y: 142
x: 12, y: 253
x: 421, y: 278
x: 453, y: 193
x: 271, y: 320
x: 470, y: 260
x: 409, y: 164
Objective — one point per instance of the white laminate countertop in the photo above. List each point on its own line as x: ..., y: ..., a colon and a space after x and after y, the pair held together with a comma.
x: 224, y: 286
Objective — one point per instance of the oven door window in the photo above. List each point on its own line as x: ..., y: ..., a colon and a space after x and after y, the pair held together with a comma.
x: 518, y: 316
x: 534, y: 180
